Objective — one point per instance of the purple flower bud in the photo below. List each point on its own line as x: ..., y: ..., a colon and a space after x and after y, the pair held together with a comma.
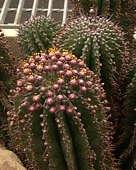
x: 50, y: 93
x: 51, y: 54
x: 42, y: 89
x: 46, y: 68
x: 66, y: 66
x: 52, y: 109
x: 39, y: 78
x: 61, y: 107
x: 59, y: 97
x: 64, y: 53
x: 31, y: 60
x: 29, y: 87
x: 31, y: 78
x: 83, y: 89
x: 69, y: 109
x: 42, y: 56
x: 18, y: 89
x: 81, y: 74
x: 32, y: 65
x: 26, y: 65
x: 75, y: 72
x: 37, y: 57
x: 49, y: 100
x: 72, y: 96
x: 73, y: 82
x: 81, y: 64
x: 25, y: 104
x: 89, y: 83
x: 73, y: 62
x: 81, y: 82
x: 36, y: 98
x: 61, y: 72
x: 68, y: 57
x: 60, y: 81
x: 17, y: 70
x: 19, y: 83
x: 38, y: 105
x: 62, y: 59
x: 31, y: 108
x: 59, y: 63
x: 53, y: 58
x: 55, y: 86
x: 68, y: 73
x: 54, y: 67
x: 27, y: 71
x: 92, y: 11
x: 57, y: 52
x: 43, y: 60
x: 39, y: 68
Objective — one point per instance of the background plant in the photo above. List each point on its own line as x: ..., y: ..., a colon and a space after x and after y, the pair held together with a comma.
x: 7, y: 81
x: 101, y: 44
x: 119, y: 11
x: 59, y: 120
x: 126, y: 147
x: 36, y: 34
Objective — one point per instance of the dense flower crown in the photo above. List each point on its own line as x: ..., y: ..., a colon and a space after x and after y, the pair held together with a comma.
x: 53, y: 76
x: 57, y: 94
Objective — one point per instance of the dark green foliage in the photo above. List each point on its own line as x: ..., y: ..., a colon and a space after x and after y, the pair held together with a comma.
x: 59, y: 120
x: 36, y: 34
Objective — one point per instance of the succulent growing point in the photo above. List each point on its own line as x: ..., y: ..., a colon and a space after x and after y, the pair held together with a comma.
x: 59, y: 120
x: 36, y: 34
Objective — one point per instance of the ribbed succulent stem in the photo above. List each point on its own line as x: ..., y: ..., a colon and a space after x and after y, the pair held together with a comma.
x: 126, y: 145
x: 62, y: 109
x: 56, y: 160
x: 66, y: 141
x: 87, y: 157
x: 36, y: 34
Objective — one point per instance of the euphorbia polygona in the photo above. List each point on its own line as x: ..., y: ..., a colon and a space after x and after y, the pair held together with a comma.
x: 100, y: 43
x: 126, y: 148
x: 37, y: 33
x: 7, y: 80
x: 59, y: 120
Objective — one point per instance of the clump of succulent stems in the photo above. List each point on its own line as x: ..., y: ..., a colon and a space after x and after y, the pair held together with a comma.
x: 59, y: 117
x: 36, y: 34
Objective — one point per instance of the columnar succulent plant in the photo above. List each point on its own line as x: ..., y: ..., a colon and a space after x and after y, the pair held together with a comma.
x: 36, y: 34
x: 126, y: 150
x: 99, y: 42
x: 87, y: 6
x: 59, y: 120
x: 120, y: 11
x: 7, y: 70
